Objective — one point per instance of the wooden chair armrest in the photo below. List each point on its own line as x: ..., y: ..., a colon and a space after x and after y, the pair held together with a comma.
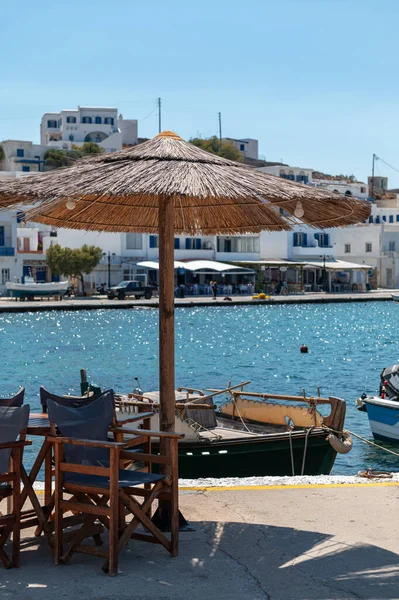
x: 137, y: 417
x: 82, y: 442
x: 16, y: 444
x: 150, y: 433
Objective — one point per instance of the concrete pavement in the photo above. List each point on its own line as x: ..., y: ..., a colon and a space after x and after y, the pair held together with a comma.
x: 316, y: 542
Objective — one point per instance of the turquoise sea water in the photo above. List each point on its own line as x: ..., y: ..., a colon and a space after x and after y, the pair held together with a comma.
x: 349, y: 344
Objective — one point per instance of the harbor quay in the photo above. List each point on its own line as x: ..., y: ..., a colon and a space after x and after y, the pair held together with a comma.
x: 101, y: 302
x: 298, y: 542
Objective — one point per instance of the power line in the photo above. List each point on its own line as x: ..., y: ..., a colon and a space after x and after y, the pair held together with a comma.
x: 387, y: 164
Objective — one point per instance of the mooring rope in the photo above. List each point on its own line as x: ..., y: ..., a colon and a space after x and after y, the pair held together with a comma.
x: 305, y: 449
x: 292, y: 453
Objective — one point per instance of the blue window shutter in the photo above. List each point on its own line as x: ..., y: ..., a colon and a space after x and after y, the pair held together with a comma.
x: 198, y: 244
x: 304, y: 239
x: 295, y: 239
x: 391, y: 218
x: 152, y: 241
x: 1, y: 236
x: 377, y: 219
x: 177, y: 243
x: 188, y: 241
x: 384, y: 219
x: 326, y: 240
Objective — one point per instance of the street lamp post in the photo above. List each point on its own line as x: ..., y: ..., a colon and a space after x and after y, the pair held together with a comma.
x: 324, y: 272
x: 109, y: 256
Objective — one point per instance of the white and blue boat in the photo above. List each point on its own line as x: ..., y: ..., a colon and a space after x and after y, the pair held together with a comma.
x: 383, y: 410
x: 383, y: 414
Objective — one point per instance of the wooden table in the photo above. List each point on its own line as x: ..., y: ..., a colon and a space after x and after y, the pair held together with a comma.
x: 39, y: 514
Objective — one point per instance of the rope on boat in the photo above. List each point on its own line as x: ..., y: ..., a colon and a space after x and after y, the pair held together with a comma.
x: 370, y: 474
x: 291, y: 452
x: 305, y: 449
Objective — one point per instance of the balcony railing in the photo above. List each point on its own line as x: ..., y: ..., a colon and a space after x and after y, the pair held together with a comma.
x: 7, y: 251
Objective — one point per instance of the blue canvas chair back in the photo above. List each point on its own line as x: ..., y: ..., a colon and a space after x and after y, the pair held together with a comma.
x: 89, y: 420
x: 45, y: 395
x: 13, y: 420
x: 16, y: 400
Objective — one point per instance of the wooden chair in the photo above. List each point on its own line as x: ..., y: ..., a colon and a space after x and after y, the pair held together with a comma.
x: 87, y: 466
x: 13, y: 424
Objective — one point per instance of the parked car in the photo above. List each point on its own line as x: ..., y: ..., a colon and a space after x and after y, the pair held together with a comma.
x: 124, y: 289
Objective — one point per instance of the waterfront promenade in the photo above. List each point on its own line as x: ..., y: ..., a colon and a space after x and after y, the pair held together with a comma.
x: 291, y: 543
x: 101, y: 302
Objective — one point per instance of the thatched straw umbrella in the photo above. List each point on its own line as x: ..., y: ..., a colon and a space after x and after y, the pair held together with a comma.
x: 165, y: 186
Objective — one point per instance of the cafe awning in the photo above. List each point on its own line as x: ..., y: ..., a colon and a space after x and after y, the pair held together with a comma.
x: 202, y: 267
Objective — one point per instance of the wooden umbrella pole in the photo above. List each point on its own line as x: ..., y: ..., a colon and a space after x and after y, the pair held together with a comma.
x: 166, y: 316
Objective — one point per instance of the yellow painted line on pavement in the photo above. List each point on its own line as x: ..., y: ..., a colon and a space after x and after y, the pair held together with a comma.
x: 298, y: 486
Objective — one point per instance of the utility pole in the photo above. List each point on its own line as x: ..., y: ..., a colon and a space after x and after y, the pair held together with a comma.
x: 372, y: 179
x: 159, y: 115
x: 220, y: 129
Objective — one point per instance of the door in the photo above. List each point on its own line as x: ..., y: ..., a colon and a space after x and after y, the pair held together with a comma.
x: 389, y: 278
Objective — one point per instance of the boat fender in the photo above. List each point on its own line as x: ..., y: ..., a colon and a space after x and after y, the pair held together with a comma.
x: 343, y: 445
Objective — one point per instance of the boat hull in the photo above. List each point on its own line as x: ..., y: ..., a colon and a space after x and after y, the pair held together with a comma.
x: 384, y: 419
x: 31, y: 290
x: 270, y: 456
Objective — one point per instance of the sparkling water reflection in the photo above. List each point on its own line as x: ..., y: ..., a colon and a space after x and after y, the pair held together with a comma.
x: 348, y: 344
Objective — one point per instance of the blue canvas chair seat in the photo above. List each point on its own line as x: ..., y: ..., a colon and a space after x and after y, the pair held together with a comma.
x: 126, y: 479
x: 13, y: 424
x: 87, y: 466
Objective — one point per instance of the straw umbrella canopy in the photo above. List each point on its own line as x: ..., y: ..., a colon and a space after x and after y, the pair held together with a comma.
x: 168, y: 186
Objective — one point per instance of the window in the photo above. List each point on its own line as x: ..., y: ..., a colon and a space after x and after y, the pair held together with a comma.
x: 242, y: 147
x: 52, y: 124
x: 391, y: 246
x: 86, y: 119
x: 248, y: 244
x: 177, y: 244
x: 5, y: 275
x: 362, y: 190
x: 20, y: 152
x: 300, y: 239
x: 193, y: 243
x: 391, y: 218
x: 98, y: 121
x: 71, y: 119
x: 371, y: 219
x: 347, y: 248
x: 154, y: 241
x: 134, y: 241
x: 323, y: 239
x: 384, y: 218
x: 25, y: 169
x: 108, y: 120
x: 377, y: 219
x: 369, y: 247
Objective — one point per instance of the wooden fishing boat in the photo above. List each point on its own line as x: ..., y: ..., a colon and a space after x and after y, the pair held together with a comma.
x: 250, y: 434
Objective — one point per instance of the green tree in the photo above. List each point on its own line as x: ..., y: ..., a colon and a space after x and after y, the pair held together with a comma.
x: 56, y: 158
x: 1, y: 153
x: 89, y: 148
x: 73, y: 262
x: 215, y: 146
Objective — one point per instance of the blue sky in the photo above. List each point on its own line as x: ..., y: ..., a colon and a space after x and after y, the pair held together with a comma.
x: 314, y: 80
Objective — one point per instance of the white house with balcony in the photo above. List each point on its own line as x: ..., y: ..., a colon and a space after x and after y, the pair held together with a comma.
x: 298, y: 174
x: 100, y: 125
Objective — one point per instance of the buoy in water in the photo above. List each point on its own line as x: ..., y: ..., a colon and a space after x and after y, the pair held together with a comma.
x: 304, y: 349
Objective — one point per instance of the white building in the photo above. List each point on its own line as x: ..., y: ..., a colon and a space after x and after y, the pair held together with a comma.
x: 299, y: 174
x: 87, y: 124
x: 247, y: 146
x: 22, y: 156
